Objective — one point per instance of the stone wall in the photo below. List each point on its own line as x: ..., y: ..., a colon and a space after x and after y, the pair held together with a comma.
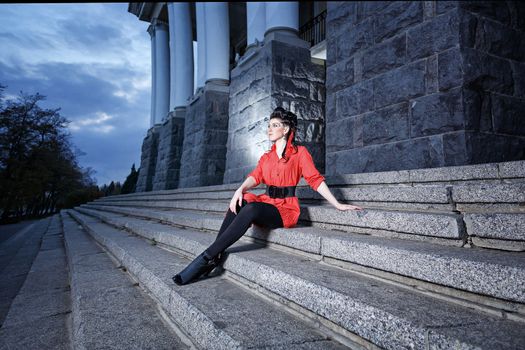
x: 205, y: 135
x: 148, y: 160
x: 278, y: 73
x: 424, y: 84
x: 169, y: 154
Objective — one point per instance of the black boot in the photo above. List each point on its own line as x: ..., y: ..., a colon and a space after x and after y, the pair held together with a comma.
x: 214, y: 263
x: 199, y: 266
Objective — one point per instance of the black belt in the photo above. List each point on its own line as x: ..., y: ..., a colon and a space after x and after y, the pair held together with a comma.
x: 280, y: 192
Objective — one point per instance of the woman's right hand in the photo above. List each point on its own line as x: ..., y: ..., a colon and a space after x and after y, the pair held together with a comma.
x: 237, y: 198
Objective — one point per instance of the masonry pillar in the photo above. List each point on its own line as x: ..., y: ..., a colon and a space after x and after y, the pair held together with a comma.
x: 205, y: 133
x: 278, y: 72
x: 171, y: 134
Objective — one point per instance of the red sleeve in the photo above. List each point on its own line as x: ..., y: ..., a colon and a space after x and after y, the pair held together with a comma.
x: 309, y: 171
x: 257, y: 172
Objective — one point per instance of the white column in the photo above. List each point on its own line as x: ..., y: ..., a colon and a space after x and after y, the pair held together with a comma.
x: 217, y: 41
x: 181, y: 54
x: 283, y: 15
x: 195, y: 70
x: 255, y: 21
x: 201, y: 44
x: 151, y: 32
x: 162, y: 72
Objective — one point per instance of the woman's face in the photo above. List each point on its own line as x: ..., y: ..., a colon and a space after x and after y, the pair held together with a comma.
x: 277, y: 129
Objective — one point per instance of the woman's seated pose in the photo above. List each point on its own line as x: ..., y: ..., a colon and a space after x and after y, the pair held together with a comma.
x: 280, y: 169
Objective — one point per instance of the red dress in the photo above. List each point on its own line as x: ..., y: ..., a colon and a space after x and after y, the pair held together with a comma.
x: 278, y: 172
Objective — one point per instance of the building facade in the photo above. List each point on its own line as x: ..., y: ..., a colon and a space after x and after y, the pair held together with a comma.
x: 377, y: 86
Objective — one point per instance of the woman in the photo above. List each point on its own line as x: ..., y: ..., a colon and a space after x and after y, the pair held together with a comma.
x: 280, y: 169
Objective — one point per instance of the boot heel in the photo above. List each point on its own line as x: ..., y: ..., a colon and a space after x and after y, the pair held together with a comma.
x: 194, y: 270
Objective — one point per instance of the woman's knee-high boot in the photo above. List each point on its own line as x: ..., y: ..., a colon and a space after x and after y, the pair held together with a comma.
x: 199, y: 266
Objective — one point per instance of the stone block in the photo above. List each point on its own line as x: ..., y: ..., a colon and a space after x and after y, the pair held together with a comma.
x: 517, y: 15
x: 482, y: 71
x: 433, y: 36
x: 339, y: 75
x: 496, y: 10
x: 340, y: 17
x: 330, y: 107
x: 317, y: 92
x: 386, y: 125
x: 400, y: 84
x: 450, y: 68
x: 500, y: 40
x: 431, y: 76
x: 384, y: 57
x: 512, y: 169
x: 445, y: 6
x: 344, y: 134
x: 366, y: 9
x: 518, y: 75
x: 496, y: 225
x: 292, y: 88
x: 290, y: 64
x: 478, y: 110
x: 396, y: 17
x: 409, y: 154
x: 437, y: 113
x: 490, y: 193
x: 310, y: 132
x: 429, y: 10
x: 331, y: 49
x: 356, y: 99
x: 508, y: 114
x: 361, y: 37
x: 502, y: 147
x: 455, y: 149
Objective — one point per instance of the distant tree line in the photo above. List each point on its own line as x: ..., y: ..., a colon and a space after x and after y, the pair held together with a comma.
x: 129, y: 185
x: 115, y: 188
x: 39, y: 172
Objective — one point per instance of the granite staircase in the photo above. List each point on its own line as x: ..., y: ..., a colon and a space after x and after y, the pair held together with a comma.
x: 434, y: 261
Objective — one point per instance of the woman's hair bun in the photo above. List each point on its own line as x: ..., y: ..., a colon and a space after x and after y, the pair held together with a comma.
x: 285, y: 115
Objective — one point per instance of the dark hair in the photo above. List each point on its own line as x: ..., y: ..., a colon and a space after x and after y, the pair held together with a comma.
x: 289, y: 119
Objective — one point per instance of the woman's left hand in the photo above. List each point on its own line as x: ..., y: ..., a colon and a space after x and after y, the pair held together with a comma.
x: 345, y: 207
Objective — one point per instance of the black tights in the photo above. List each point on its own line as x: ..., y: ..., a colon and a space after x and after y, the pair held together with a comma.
x: 235, y: 226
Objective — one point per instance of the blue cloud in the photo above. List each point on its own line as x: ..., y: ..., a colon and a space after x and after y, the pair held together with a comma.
x: 92, y: 61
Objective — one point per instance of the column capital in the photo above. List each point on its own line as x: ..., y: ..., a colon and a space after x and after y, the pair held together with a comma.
x: 159, y: 24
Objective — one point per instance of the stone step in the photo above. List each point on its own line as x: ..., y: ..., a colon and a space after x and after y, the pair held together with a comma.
x: 464, y: 198
x: 387, y: 315
x: 446, y: 228
x: 109, y: 310
x: 491, y: 230
x: 40, y: 314
x: 492, y: 278
x: 215, y: 313
x: 490, y: 173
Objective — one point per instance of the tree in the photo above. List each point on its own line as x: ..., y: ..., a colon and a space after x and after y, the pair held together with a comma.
x: 131, y: 181
x: 38, y: 169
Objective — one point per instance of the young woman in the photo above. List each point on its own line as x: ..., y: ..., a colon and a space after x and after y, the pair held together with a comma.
x: 280, y: 169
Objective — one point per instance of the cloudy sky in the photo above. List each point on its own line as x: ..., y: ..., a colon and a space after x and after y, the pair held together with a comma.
x: 92, y: 61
